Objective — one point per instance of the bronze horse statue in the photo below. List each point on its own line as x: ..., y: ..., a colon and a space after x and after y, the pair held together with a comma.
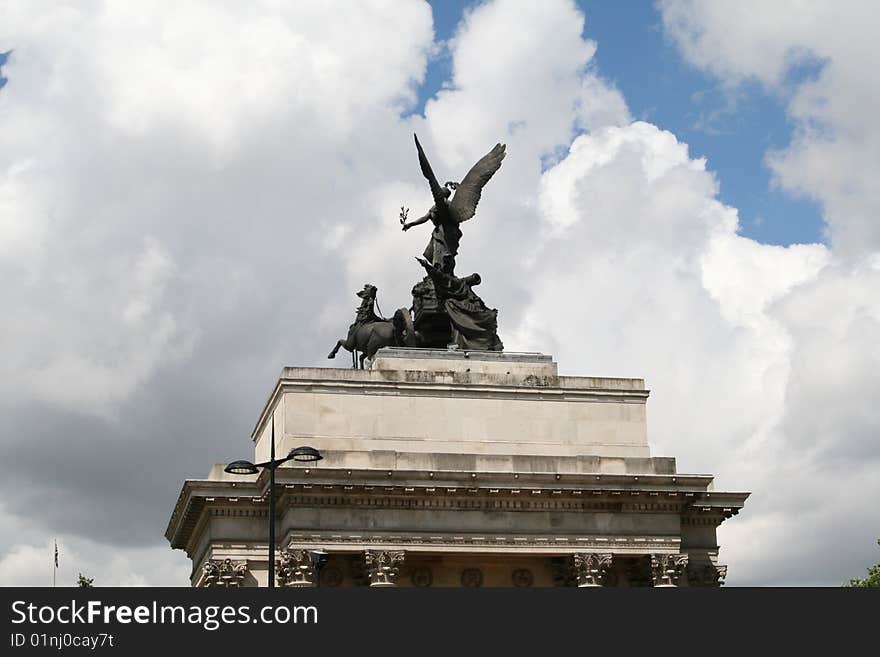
x: 369, y: 332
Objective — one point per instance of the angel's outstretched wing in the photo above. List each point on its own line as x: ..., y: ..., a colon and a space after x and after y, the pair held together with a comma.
x: 436, y: 189
x: 467, y: 195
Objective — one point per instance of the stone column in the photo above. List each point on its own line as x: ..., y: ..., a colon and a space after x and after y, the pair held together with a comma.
x: 706, y: 574
x: 296, y: 568
x: 383, y: 566
x: 224, y: 573
x: 591, y: 568
x: 666, y: 569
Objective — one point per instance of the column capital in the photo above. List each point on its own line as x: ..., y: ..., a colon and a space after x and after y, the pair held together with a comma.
x: 666, y: 569
x: 383, y: 566
x: 296, y: 568
x: 590, y: 568
x: 224, y: 573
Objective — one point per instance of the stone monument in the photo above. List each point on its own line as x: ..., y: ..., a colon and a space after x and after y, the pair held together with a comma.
x: 449, y: 462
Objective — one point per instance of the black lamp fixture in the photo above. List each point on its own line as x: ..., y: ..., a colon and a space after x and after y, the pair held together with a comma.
x: 241, y: 468
x: 303, y: 454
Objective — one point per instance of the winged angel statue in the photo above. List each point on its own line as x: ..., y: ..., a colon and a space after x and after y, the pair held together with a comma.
x: 447, y: 213
x: 446, y: 312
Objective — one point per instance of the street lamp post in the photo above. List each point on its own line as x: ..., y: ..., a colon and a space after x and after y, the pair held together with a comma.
x: 299, y: 454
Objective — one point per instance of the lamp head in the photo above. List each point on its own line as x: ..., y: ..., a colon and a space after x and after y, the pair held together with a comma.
x: 304, y: 454
x: 241, y: 468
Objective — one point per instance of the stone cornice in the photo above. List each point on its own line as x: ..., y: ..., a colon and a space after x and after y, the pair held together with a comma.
x: 695, y: 483
x: 487, y: 542
x: 679, y: 494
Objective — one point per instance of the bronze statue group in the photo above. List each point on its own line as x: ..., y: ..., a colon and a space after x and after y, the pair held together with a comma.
x: 446, y: 312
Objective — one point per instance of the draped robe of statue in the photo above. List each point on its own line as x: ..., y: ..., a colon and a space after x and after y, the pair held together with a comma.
x: 474, y: 325
x: 444, y: 238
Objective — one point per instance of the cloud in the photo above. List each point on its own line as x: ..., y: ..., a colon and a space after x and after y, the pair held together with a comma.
x: 815, y: 61
x: 523, y: 74
x: 189, y: 199
x: 167, y: 183
x: 751, y: 351
x: 29, y: 560
x: 816, y: 58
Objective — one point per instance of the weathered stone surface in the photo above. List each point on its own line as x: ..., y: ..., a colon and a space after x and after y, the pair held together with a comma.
x: 224, y: 573
x: 486, y: 403
x: 590, y: 568
x: 296, y: 568
x: 383, y: 566
x: 667, y: 569
x: 491, y: 464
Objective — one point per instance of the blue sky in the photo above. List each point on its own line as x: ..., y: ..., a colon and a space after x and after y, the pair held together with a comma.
x: 661, y: 88
x: 3, y: 57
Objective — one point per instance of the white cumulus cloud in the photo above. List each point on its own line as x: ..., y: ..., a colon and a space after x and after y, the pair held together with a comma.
x: 818, y: 57
x: 189, y: 198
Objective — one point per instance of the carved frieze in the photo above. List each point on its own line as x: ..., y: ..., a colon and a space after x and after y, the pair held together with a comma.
x: 447, y: 498
x: 440, y: 539
x: 224, y: 573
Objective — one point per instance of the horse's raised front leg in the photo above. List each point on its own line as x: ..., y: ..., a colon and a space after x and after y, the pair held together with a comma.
x: 339, y: 343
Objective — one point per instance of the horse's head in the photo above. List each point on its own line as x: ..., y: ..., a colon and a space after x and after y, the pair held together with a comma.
x: 368, y: 293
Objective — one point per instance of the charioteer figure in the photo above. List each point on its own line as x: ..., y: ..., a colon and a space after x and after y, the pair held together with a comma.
x: 474, y: 325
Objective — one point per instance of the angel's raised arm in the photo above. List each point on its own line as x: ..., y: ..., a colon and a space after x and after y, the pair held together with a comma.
x: 415, y: 222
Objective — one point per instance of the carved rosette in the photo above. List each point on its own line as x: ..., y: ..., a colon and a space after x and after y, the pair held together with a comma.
x: 472, y: 578
x: 590, y: 568
x: 383, y: 566
x: 666, y: 569
x: 224, y: 573
x: 422, y: 577
x: 295, y: 568
x: 706, y: 574
x: 522, y: 578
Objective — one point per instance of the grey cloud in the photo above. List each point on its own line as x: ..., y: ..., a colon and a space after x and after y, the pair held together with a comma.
x: 226, y: 222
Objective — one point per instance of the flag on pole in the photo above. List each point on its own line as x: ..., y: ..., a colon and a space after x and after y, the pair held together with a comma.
x: 56, y: 554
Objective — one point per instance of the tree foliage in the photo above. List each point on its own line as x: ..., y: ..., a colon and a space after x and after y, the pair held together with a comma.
x: 872, y: 581
x: 84, y: 582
